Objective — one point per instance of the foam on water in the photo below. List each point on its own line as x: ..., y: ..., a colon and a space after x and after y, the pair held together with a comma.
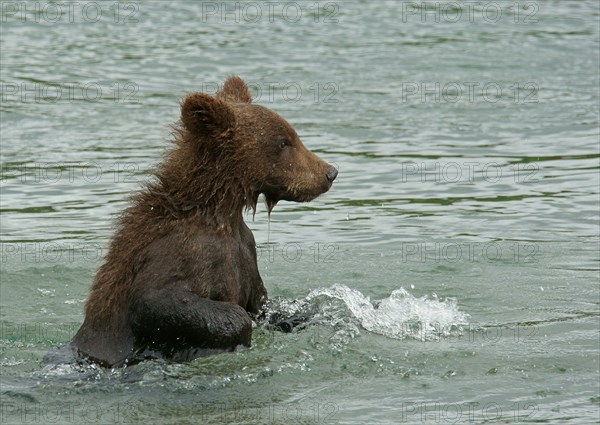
x: 399, y: 316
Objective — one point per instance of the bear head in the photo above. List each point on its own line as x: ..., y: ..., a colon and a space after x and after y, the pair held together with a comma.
x: 269, y: 156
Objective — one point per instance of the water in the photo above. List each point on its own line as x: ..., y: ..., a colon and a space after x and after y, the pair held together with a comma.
x: 454, y: 265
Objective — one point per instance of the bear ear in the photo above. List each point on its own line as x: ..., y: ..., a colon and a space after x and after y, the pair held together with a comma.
x: 204, y: 114
x: 235, y: 90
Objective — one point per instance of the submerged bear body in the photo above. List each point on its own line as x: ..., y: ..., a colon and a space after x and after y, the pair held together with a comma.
x: 187, y: 266
x: 181, y: 278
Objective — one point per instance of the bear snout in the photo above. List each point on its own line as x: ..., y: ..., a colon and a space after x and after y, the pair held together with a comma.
x: 332, y: 174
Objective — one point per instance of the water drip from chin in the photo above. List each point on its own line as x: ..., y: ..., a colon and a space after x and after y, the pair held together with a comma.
x: 270, y: 205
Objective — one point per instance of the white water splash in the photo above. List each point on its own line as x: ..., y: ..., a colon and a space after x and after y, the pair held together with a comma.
x: 401, y: 315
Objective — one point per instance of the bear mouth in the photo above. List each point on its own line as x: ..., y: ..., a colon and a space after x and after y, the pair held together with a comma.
x: 275, y: 194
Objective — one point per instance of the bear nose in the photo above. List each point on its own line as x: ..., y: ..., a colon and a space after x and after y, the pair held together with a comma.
x: 332, y: 174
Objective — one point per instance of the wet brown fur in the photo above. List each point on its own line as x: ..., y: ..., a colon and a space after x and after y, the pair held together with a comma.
x: 185, y: 229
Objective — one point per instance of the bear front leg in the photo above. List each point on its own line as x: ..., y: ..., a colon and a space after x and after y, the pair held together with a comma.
x: 172, y: 320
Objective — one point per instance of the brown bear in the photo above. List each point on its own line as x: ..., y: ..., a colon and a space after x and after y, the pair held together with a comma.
x: 181, y: 276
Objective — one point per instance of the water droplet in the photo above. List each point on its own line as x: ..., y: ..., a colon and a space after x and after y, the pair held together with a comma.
x: 449, y: 374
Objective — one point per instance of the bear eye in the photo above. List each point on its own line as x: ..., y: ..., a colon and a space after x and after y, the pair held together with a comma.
x: 283, y: 144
